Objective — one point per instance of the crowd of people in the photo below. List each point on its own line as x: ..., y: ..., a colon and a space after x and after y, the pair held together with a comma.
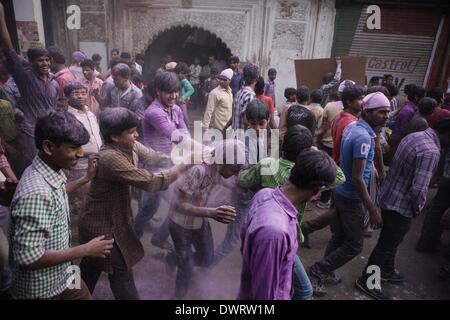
x: 78, y: 141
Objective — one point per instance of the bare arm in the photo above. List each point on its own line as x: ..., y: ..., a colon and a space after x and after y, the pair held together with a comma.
x: 5, y: 38
x: 90, y: 174
x: 97, y: 247
x: 358, y: 181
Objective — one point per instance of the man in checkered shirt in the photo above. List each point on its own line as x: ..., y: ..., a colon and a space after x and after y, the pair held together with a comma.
x: 40, y: 221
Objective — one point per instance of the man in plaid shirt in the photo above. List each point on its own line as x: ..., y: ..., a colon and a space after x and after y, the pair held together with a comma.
x: 40, y: 221
x: 402, y: 196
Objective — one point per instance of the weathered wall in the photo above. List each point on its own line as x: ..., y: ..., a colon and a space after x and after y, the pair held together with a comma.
x: 270, y: 33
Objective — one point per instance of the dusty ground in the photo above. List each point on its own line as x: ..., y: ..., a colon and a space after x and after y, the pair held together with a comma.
x: 223, y: 282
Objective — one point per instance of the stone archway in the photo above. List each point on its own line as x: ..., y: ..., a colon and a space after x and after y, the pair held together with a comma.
x: 184, y: 43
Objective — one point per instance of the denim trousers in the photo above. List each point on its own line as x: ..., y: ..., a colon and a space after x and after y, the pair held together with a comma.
x: 347, y: 229
x: 302, y: 286
x: 184, y: 258
x: 121, y: 280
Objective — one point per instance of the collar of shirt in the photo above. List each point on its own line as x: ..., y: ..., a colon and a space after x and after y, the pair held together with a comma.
x: 430, y: 132
x: 53, y: 178
x: 284, y: 203
x: 61, y: 72
x: 366, y: 126
x: 74, y: 110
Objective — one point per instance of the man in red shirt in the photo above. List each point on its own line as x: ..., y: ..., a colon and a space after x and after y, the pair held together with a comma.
x: 352, y: 101
x: 259, y: 91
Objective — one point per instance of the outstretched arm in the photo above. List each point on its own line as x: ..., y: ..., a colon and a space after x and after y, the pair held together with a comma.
x: 5, y: 38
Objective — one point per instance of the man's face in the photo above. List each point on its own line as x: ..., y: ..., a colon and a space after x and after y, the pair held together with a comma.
x: 272, y: 76
x: 121, y: 82
x: 168, y: 99
x: 211, y: 60
x: 389, y: 80
x: 98, y: 62
x: 356, y: 104
x: 227, y: 171
x: 378, y: 117
x: 88, y: 73
x: 64, y: 156
x: 224, y: 82
x: 78, y: 98
x: 126, y: 139
x: 292, y: 98
x: 42, y: 64
x: 258, y: 125
x: 114, y: 55
x: 234, y: 66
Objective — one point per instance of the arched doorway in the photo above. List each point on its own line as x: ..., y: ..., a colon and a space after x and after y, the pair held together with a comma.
x: 184, y: 43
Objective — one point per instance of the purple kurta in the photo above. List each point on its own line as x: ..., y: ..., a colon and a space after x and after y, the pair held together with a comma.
x: 269, y: 246
x: 158, y: 125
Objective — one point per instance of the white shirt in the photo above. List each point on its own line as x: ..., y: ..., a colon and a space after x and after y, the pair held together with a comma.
x: 89, y: 121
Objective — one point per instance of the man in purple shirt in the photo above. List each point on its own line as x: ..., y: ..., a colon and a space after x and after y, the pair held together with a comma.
x: 161, y: 120
x: 414, y: 93
x: 269, y: 233
x: 36, y: 85
x: 402, y: 196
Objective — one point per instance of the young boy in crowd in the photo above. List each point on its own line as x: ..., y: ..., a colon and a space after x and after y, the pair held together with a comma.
x: 314, y: 105
x: 270, y: 86
x: 77, y: 94
x: 40, y: 222
x: 188, y: 224
x: 108, y: 206
x: 259, y: 91
x: 93, y: 84
x: 269, y: 232
x: 186, y: 89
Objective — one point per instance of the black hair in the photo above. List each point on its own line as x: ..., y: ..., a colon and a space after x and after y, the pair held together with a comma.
x: 139, y: 56
x: 259, y: 87
x: 34, y: 53
x: 298, y: 114
x: 214, y: 71
x: 250, y: 73
x: 121, y: 70
x: 350, y: 94
x: 96, y: 57
x: 393, y: 89
x: 316, y: 96
x: 443, y: 126
x: 303, y: 94
x: 68, y: 88
x: 163, y: 61
x: 437, y: 94
x: 426, y: 106
x: 271, y: 70
x: 288, y: 92
x: 257, y: 110
x: 381, y: 89
x: 136, y: 78
x: 182, y: 68
x: 233, y: 59
x: 408, y: 88
x: 414, y: 91
x: 115, y: 50
x: 167, y: 82
x: 297, y: 139
x: 57, y: 56
x: 60, y: 127
x: 114, y: 62
x: 114, y: 121
x: 125, y: 55
x: 88, y: 63
x: 313, y: 169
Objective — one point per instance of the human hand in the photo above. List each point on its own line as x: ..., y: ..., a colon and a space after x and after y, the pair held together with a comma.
x: 92, y: 166
x: 98, y: 247
x: 224, y: 214
x: 376, y: 221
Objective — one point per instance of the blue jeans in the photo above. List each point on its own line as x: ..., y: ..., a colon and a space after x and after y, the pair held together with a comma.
x: 303, y: 289
x: 148, y: 206
x: 232, y: 237
x: 184, y: 258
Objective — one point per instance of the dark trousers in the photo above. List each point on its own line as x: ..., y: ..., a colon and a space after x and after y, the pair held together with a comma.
x: 326, y: 195
x: 431, y: 229
x: 184, y: 258
x: 395, y: 227
x: 121, y: 280
x: 319, y: 222
x: 347, y: 228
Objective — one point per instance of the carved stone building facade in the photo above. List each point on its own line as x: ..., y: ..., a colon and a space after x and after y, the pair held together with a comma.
x: 269, y: 33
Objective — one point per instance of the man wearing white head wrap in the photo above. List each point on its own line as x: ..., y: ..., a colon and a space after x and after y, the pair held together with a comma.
x: 356, y: 158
